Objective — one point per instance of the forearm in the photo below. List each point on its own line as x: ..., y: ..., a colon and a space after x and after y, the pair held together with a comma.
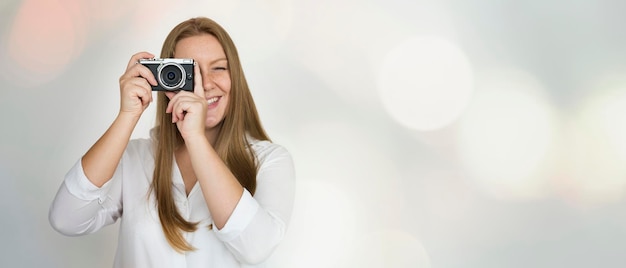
x: 100, y: 162
x: 220, y: 188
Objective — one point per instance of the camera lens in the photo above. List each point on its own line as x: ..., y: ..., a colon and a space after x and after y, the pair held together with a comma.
x: 171, y: 76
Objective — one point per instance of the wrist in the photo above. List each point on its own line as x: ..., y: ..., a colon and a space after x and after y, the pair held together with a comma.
x: 195, y: 140
x: 128, y: 117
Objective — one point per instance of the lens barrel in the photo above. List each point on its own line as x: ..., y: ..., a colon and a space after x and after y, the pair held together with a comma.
x: 171, y: 76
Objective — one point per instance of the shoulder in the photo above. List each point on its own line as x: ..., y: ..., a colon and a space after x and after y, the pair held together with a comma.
x: 275, y: 167
x: 268, y: 151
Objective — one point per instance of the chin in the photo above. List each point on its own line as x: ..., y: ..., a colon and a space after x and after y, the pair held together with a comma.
x: 212, y: 123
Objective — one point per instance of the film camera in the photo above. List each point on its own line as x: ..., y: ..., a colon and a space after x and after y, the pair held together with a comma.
x: 171, y: 74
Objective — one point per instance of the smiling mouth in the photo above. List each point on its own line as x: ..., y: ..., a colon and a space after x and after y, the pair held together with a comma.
x: 212, y: 100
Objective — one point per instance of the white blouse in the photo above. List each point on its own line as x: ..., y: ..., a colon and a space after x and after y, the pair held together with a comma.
x: 253, y: 230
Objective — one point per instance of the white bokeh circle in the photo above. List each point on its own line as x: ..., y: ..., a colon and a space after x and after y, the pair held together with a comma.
x: 425, y: 83
x: 506, y: 135
x: 389, y: 248
x: 322, y: 227
x: 593, y: 159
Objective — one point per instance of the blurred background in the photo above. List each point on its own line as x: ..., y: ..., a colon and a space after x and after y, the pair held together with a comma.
x: 441, y: 134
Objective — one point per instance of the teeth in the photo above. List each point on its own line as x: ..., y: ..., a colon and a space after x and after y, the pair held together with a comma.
x: 212, y: 100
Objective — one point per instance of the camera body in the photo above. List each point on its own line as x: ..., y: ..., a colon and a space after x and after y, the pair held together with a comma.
x: 171, y: 74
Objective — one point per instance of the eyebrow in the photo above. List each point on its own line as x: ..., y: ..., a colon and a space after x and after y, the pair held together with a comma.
x: 220, y: 59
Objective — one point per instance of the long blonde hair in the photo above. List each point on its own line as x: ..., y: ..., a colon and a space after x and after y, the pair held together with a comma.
x: 241, y: 119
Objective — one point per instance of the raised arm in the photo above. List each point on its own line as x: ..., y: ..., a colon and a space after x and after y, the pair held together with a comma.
x: 82, y: 205
x: 100, y: 162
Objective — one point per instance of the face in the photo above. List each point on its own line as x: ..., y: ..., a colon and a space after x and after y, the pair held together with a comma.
x: 210, y: 57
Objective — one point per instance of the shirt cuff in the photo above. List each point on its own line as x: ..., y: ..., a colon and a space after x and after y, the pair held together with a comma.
x: 81, y: 187
x: 243, y: 214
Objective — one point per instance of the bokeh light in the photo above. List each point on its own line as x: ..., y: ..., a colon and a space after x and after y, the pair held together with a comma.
x: 608, y: 110
x: 347, y: 47
x: 412, y: 147
x: 323, y: 226
x: 594, y: 150
x: 261, y: 40
x: 425, y: 83
x: 45, y: 37
x: 449, y: 195
x: 389, y: 248
x: 353, y: 159
x: 506, y: 134
x: 338, y: 196
x: 106, y: 13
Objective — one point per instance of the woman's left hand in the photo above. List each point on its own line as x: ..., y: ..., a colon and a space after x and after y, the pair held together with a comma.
x: 189, y: 109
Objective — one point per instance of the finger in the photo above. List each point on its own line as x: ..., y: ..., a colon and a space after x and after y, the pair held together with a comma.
x: 130, y: 86
x: 173, y: 104
x: 135, y: 58
x: 142, y: 71
x: 146, y: 91
x: 170, y: 105
x: 180, y: 113
x: 145, y: 96
x: 140, y: 88
x: 178, y: 110
x: 174, y: 98
x: 140, y: 82
x: 170, y: 109
x: 198, y: 88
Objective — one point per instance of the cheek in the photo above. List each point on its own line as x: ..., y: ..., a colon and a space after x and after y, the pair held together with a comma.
x: 225, y: 84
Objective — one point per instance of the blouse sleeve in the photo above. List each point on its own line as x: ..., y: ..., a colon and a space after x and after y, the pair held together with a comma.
x: 259, y: 223
x: 80, y: 207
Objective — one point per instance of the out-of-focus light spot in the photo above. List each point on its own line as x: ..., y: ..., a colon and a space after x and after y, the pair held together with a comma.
x: 447, y: 195
x: 595, y: 150
x: 106, y: 13
x: 425, y: 83
x: 389, y: 248
x: 257, y: 37
x: 345, y: 168
x: 609, y: 110
x: 353, y: 158
x: 506, y: 135
x: 260, y: 40
x: 144, y: 26
x: 322, y: 227
x: 346, y: 48
x: 43, y: 40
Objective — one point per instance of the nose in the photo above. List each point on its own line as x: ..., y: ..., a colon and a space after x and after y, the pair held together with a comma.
x: 207, y: 81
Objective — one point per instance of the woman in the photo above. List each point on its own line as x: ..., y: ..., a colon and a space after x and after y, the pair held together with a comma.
x: 208, y: 189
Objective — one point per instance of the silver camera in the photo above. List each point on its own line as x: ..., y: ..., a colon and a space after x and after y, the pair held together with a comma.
x: 171, y: 74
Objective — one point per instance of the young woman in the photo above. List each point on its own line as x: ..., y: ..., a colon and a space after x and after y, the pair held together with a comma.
x: 208, y: 189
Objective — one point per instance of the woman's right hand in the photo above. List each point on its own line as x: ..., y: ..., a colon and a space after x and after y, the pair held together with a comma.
x: 135, y: 89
